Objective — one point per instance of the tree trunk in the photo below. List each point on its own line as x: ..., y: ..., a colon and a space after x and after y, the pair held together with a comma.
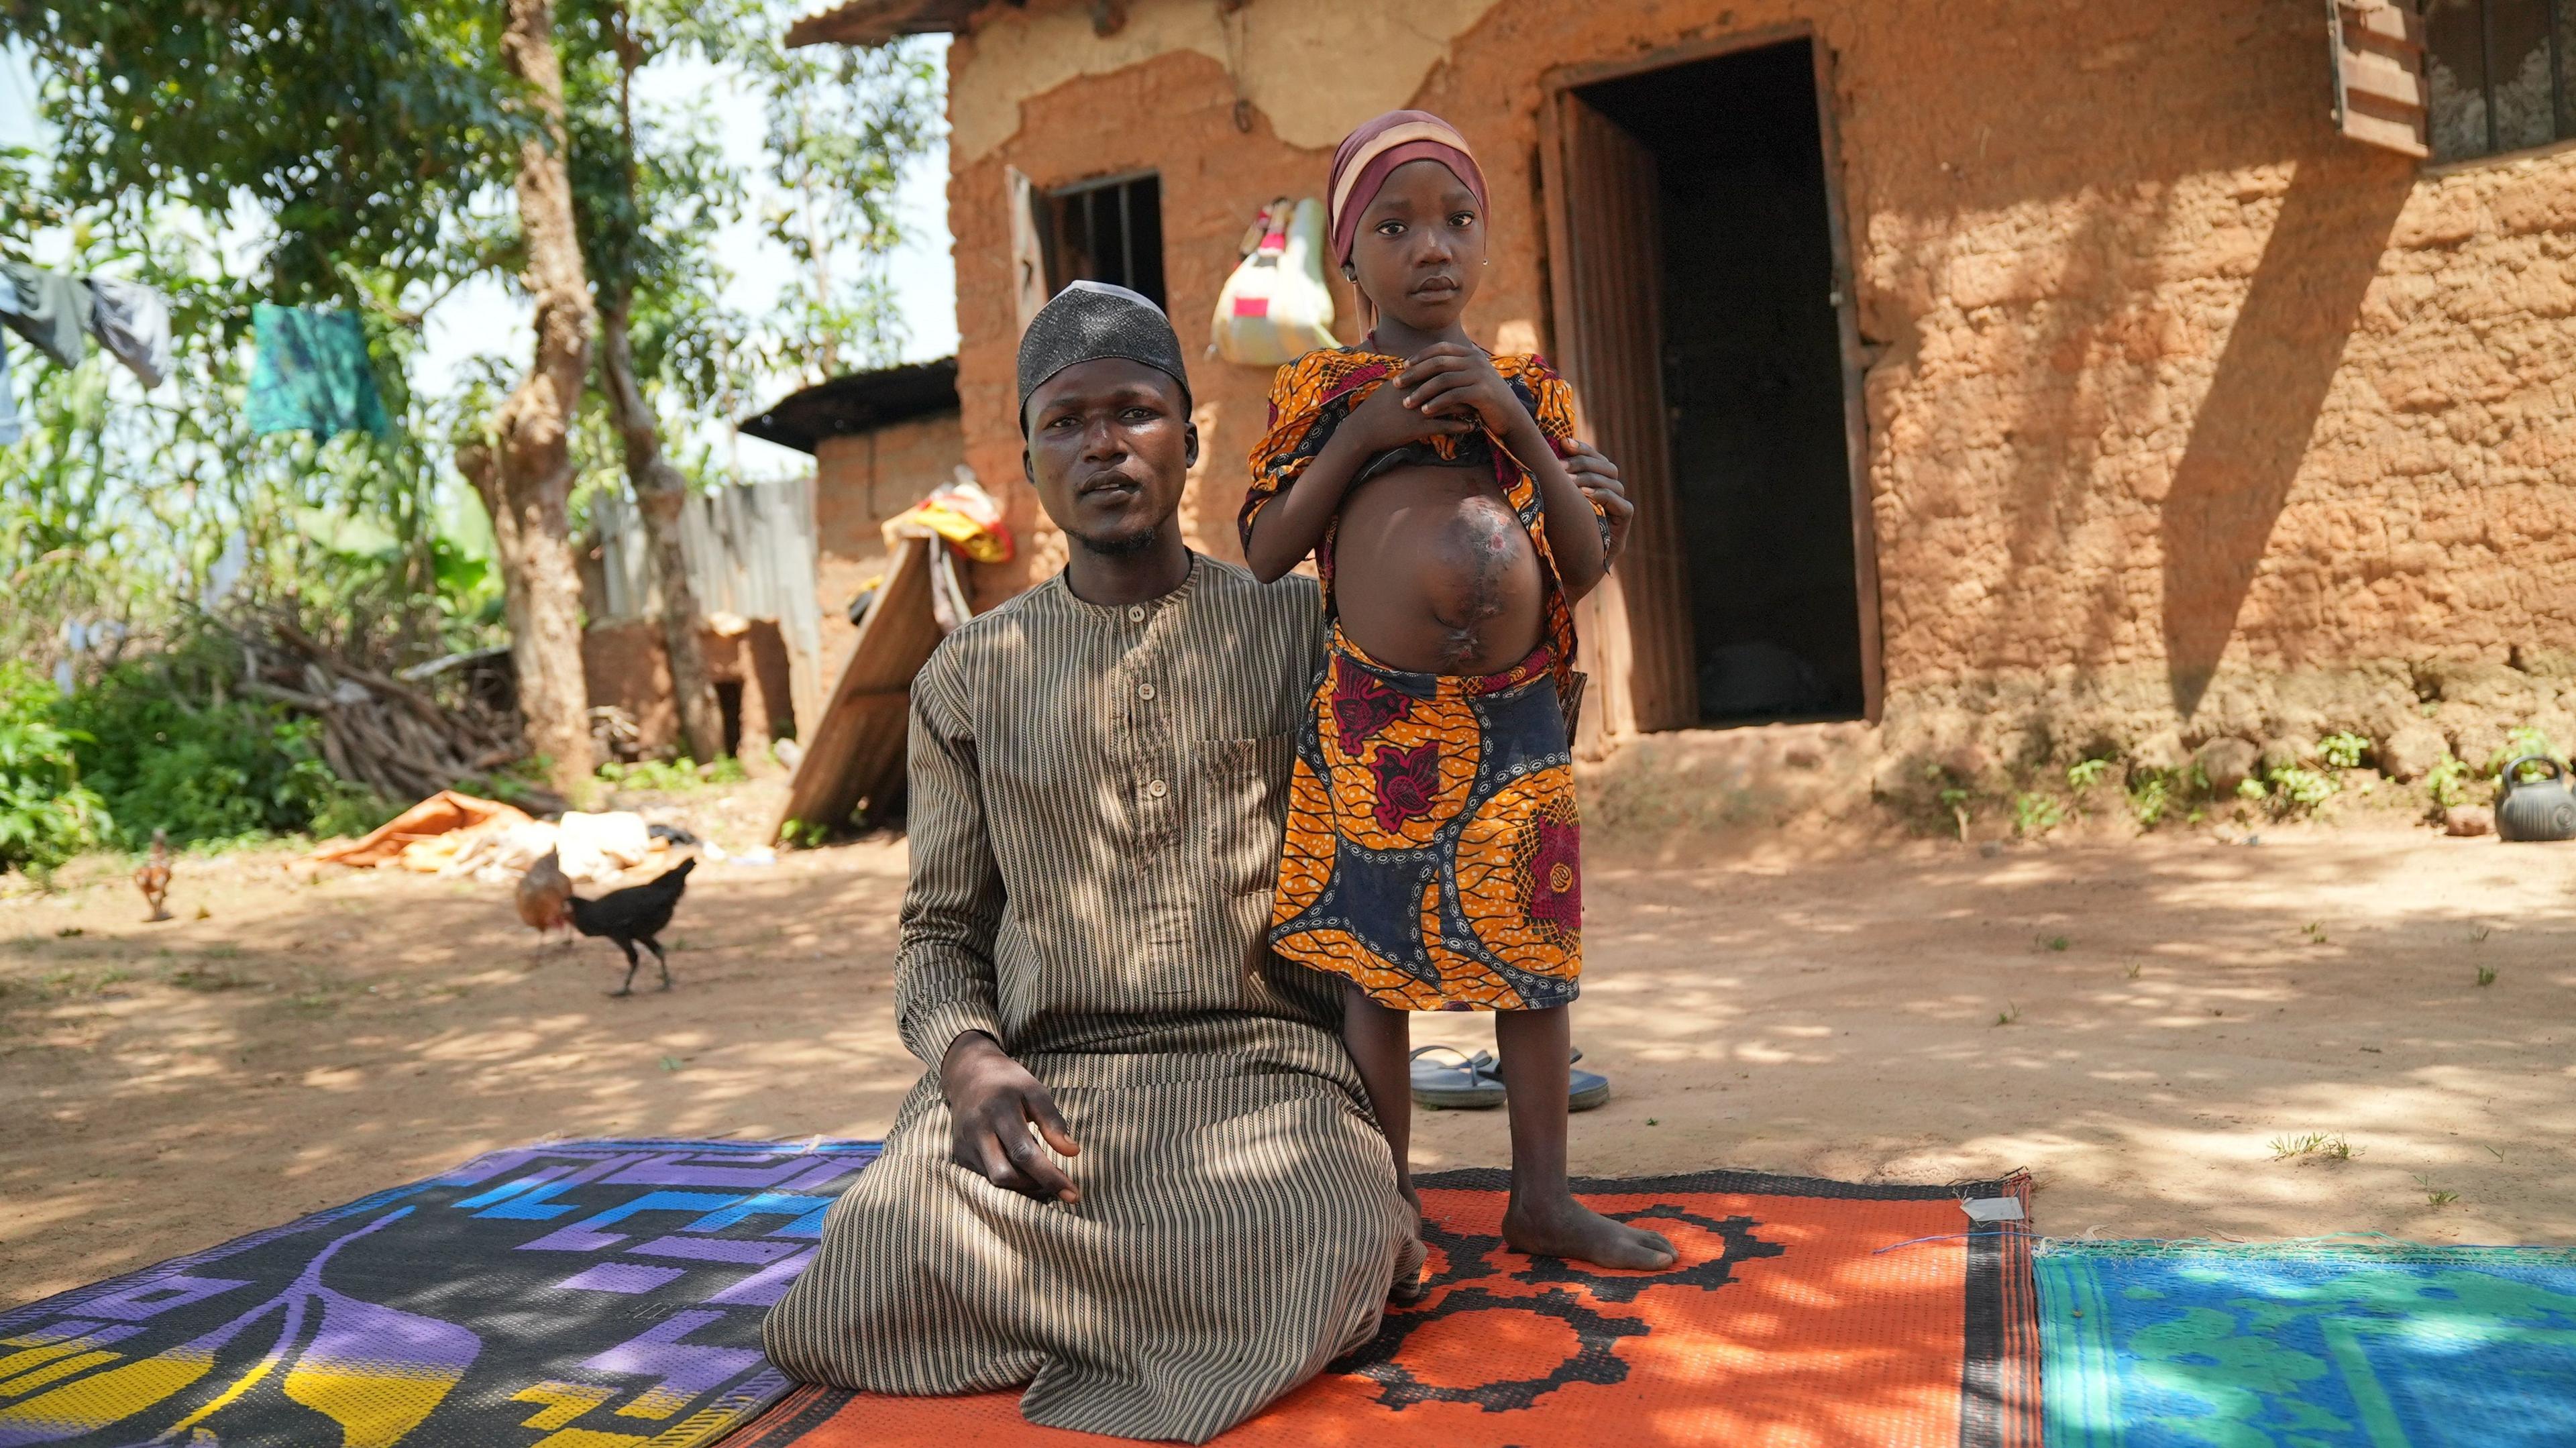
x: 660, y: 492
x: 526, y: 478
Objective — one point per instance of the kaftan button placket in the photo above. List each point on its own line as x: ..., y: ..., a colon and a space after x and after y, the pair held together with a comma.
x: 1145, y: 691
x: 1135, y: 613
x: 1156, y: 789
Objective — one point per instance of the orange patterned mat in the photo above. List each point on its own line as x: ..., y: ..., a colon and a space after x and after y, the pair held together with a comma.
x: 1802, y: 1312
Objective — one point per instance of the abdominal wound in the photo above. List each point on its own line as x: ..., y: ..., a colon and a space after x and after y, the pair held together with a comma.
x: 1475, y: 585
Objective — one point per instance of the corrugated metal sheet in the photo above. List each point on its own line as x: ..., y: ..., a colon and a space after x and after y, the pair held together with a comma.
x: 750, y: 550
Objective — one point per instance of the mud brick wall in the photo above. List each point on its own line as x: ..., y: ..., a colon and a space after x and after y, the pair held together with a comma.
x: 860, y: 480
x: 2186, y: 417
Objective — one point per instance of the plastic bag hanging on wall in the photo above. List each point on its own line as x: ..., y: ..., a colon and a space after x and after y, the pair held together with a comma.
x: 1276, y: 307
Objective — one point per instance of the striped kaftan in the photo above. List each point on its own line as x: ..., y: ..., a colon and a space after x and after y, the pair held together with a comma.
x: 1096, y: 812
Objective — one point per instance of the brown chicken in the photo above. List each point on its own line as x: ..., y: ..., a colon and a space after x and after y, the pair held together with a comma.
x: 154, y: 878
x: 543, y: 892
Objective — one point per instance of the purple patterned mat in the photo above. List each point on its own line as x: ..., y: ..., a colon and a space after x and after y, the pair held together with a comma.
x: 606, y: 1294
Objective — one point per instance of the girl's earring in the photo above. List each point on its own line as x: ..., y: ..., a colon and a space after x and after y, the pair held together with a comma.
x: 1350, y: 273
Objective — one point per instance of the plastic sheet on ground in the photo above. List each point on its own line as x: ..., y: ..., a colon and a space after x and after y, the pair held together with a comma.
x: 441, y: 815
x: 458, y: 834
x: 593, y: 848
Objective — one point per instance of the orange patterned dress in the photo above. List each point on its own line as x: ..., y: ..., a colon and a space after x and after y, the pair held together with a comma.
x: 1433, y: 855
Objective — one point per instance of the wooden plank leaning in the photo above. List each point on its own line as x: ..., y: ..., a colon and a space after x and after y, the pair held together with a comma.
x: 853, y: 766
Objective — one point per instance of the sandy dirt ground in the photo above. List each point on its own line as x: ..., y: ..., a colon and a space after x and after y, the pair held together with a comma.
x: 2144, y: 1024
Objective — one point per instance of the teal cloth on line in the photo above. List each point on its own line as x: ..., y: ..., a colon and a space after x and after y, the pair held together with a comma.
x: 312, y: 374
x: 2296, y: 1345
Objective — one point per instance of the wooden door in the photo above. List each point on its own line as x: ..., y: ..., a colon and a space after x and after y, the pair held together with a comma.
x: 1606, y: 274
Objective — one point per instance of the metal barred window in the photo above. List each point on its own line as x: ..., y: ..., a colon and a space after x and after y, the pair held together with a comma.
x: 1105, y: 230
x: 2498, y: 75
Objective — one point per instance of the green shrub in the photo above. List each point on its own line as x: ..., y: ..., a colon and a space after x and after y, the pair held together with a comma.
x: 47, y: 815
x: 2297, y: 788
x: 2086, y: 773
x: 2446, y: 782
x: 1955, y: 796
x: 2343, y: 751
x: 2150, y: 795
x: 671, y: 776
x: 212, y: 770
x: 2519, y: 744
x: 2036, y: 814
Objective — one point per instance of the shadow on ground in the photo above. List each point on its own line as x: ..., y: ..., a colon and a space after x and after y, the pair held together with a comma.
x: 2137, y: 1022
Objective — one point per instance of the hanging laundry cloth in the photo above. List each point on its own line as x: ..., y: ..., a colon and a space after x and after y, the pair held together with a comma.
x: 9, y: 429
x: 132, y: 321
x: 312, y: 374
x: 50, y: 310
x: 8, y: 405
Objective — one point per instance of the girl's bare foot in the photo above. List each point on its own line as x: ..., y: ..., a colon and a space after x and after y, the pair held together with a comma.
x: 1564, y: 1227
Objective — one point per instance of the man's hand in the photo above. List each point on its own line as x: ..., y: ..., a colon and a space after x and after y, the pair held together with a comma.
x: 1599, y: 479
x: 992, y: 1102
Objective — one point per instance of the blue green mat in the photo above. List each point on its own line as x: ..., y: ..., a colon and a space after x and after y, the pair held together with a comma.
x: 2204, y: 1345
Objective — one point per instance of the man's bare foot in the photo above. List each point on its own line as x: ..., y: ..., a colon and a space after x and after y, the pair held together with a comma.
x: 1407, y: 1288
x: 1567, y: 1228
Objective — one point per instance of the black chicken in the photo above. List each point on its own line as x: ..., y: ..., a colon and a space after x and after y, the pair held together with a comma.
x: 636, y: 913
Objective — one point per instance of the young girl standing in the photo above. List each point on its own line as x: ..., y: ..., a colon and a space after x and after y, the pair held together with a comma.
x: 1432, y: 858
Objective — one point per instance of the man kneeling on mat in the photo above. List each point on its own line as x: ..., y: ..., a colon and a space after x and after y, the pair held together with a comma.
x: 1141, y: 1177
x: 1098, y: 771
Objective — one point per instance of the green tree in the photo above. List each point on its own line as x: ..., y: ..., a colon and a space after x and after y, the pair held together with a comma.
x: 353, y: 130
x: 653, y: 190
x: 46, y: 814
x: 362, y: 136
x: 651, y: 193
x: 523, y: 467
x: 118, y: 505
x: 382, y: 153
x: 842, y: 124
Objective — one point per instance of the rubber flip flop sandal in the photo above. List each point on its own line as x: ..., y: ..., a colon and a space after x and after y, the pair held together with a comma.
x: 1470, y: 1085
x: 1585, y: 1089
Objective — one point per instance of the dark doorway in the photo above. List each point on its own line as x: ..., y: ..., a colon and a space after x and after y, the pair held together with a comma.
x: 729, y: 709
x: 1752, y: 325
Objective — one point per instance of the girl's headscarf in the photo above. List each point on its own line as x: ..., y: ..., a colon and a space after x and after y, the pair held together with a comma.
x: 1368, y: 154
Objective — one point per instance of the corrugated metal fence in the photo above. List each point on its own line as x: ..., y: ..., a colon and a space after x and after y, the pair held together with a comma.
x: 750, y: 550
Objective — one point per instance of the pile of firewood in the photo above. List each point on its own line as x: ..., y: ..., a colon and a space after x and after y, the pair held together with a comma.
x: 397, y: 736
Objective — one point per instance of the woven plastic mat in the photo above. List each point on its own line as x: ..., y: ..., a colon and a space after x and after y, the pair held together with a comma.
x: 600, y: 1293
x: 2307, y: 1345
x: 1802, y: 1312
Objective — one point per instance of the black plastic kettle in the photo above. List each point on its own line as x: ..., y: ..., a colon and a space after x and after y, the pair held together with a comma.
x: 2536, y: 809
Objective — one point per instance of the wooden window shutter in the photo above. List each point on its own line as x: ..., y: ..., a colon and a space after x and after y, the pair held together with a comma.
x: 2379, y: 92
x: 1028, y: 255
